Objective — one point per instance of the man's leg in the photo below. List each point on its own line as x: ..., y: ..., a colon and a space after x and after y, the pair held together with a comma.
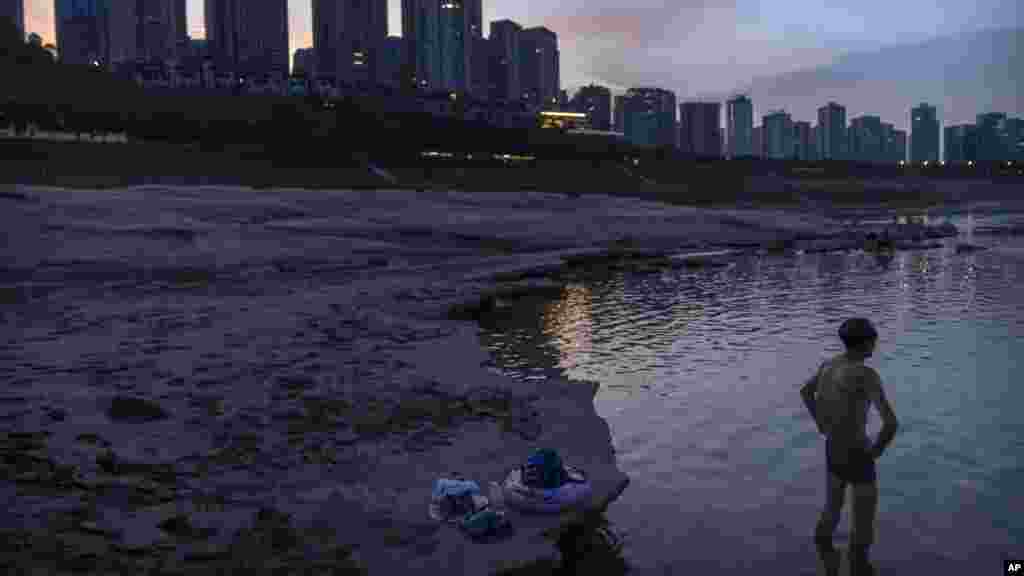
x: 835, y: 492
x: 865, y: 503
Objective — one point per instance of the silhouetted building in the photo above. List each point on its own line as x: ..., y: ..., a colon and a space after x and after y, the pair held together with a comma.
x: 740, y: 126
x: 249, y: 38
x: 803, y: 141
x: 438, y: 46
x: 504, y: 61
x: 1015, y: 131
x: 15, y: 11
x: 757, y: 142
x: 831, y: 132
x: 619, y: 112
x: 539, y: 73
x: 897, y: 147
x: 480, y: 73
x: 475, y: 17
x: 82, y: 36
x: 700, y: 129
x: 924, y: 134
x: 648, y: 116
x: 596, y: 102
x: 347, y: 36
x: 959, y: 143
x: 866, y: 139
x: 778, y: 135
x: 391, y: 57
x: 303, y: 62
x: 993, y: 138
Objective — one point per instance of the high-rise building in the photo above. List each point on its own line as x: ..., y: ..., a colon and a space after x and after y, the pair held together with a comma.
x: 347, y: 36
x: 992, y: 137
x: 700, y: 127
x: 15, y: 11
x: 539, y: 68
x: 896, y: 150
x: 505, y: 58
x: 803, y: 138
x: 475, y: 17
x: 649, y: 116
x: 250, y: 40
x: 1015, y: 131
x: 866, y: 139
x: 778, y: 135
x: 82, y: 27
x: 924, y: 134
x: 757, y: 142
x: 596, y: 102
x: 390, y: 62
x: 959, y: 143
x: 480, y: 73
x: 438, y: 45
x: 619, y: 118
x: 303, y: 62
x: 739, y: 126
x: 831, y: 132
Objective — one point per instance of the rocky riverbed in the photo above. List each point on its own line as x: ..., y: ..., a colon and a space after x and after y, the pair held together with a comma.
x: 198, y: 379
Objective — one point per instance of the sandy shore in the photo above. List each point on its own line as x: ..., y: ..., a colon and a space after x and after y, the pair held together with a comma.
x: 201, y: 377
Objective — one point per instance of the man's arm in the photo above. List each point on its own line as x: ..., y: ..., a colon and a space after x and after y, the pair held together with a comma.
x: 808, y: 392
x: 873, y: 387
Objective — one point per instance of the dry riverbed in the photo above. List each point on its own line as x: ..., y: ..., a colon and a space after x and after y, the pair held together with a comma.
x: 206, y: 378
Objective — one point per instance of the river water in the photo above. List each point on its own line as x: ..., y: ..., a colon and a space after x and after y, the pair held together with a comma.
x: 700, y: 371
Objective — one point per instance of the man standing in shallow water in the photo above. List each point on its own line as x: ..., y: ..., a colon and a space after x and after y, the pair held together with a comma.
x: 837, y: 397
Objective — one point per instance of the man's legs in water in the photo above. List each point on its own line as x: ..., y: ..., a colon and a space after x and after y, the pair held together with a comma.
x: 865, y: 503
x: 835, y: 492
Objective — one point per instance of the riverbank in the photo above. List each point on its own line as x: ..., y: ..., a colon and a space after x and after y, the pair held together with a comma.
x: 196, y: 373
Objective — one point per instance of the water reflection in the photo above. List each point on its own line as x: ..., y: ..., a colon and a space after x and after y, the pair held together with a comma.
x: 699, y: 370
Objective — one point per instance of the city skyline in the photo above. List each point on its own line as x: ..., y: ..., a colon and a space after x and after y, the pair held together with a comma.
x: 610, y: 23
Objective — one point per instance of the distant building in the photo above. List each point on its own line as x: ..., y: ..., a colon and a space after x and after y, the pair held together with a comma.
x: 739, y: 126
x: 993, y: 137
x: 700, y: 129
x: 475, y: 17
x: 15, y: 11
x: 757, y: 142
x: 866, y: 139
x: 777, y: 136
x: 924, y: 134
x: 831, y: 132
x: 648, y: 116
x: 82, y: 31
x: 347, y: 38
x: 505, y: 58
x: 391, y: 56
x: 249, y: 39
x: 303, y: 62
x: 1015, y: 131
x: 596, y: 102
x: 539, y: 67
x: 803, y: 138
x: 619, y: 111
x: 480, y: 73
x: 960, y: 145
x: 898, y: 145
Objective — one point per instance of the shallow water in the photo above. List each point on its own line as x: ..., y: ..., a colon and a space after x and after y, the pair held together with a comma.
x: 700, y: 371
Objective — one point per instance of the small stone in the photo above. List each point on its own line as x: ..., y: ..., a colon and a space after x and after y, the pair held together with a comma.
x: 133, y: 409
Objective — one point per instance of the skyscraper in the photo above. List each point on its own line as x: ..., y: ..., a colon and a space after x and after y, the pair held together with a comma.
x: 959, y: 143
x: 456, y: 46
x: 831, y: 133
x: 778, y: 135
x: 303, y: 62
x: 539, y: 68
x: 649, y: 116
x: 505, y: 59
x: 619, y: 112
x: 596, y: 102
x: 391, y: 58
x: 700, y: 127
x: 347, y: 35
x: 15, y: 10
x: 475, y: 17
x: 438, y: 46
x: 82, y: 36
x: 866, y: 139
x: 896, y: 150
x: 803, y: 139
x: 740, y: 126
x: 480, y: 63
x: 757, y: 142
x: 992, y: 137
x: 250, y: 38
x: 924, y: 134
x: 1015, y: 131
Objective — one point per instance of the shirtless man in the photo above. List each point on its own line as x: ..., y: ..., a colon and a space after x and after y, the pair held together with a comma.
x: 837, y: 397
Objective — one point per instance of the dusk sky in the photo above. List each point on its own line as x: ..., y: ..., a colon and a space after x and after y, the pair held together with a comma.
x: 692, y: 46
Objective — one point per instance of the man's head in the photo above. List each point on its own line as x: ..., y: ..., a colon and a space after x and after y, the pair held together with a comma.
x: 858, y: 335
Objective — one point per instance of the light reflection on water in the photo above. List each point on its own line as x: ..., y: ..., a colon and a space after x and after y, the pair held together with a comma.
x: 699, y: 372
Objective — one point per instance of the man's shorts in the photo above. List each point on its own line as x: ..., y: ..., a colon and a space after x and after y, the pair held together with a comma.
x: 852, y: 466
